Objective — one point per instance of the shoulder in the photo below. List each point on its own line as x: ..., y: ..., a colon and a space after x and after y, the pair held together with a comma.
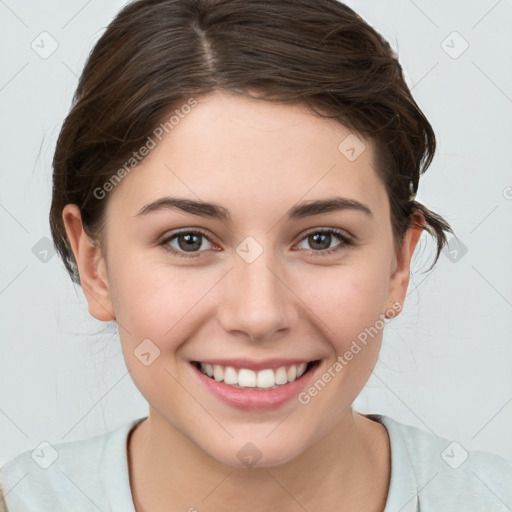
x: 444, y: 474
x: 66, y: 476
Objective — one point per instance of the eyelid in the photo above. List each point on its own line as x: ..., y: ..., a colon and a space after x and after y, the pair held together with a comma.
x: 336, y: 231
x: 173, y: 233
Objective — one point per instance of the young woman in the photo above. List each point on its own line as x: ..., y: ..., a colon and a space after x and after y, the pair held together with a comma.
x: 235, y: 187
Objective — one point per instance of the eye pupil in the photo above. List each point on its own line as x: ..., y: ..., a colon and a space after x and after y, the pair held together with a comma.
x: 190, y: 243
x: 323, y: 237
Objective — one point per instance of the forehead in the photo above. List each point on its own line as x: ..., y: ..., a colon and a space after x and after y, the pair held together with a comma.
x: 234, y: 149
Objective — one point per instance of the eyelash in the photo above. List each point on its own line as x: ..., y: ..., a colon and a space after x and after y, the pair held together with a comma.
x: 346, y: 242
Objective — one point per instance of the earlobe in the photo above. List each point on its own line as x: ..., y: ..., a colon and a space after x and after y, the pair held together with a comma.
x: 91, y: 265
x: 400, y: 275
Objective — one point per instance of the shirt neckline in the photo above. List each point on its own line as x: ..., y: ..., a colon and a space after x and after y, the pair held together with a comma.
x: 403, y: 489
x: 119, y: 490
x: 402, y: 493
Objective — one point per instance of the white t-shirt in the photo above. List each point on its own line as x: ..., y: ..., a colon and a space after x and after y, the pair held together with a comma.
x: 428, y: 474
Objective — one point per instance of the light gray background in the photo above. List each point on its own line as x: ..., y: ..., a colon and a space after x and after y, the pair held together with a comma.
x: 445, y: 363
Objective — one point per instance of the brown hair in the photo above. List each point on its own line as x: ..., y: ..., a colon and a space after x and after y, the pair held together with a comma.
x: 156, y: 54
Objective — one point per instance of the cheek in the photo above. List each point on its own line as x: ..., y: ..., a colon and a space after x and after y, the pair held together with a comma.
x: 157, y: 301
x: 348, y: 298
x: 155, y: 309
x: 352, y: 322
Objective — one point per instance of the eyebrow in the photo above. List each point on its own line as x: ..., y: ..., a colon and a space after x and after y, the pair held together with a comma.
x: 216, y: 211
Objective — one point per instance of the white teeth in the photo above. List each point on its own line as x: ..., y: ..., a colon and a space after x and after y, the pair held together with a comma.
x: 218, y: 372
x: 245, y: 378
x: 265, y: 379
x: 281, y: 377
x: 292, y: 373
x: 230, y: 376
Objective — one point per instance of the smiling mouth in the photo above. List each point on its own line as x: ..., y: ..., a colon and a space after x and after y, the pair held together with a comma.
x: 244, y: 378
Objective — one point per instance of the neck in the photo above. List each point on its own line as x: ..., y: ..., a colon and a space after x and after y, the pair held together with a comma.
x: 169, y: 472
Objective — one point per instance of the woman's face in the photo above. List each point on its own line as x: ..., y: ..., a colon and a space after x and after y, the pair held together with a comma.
x: 258, y: 288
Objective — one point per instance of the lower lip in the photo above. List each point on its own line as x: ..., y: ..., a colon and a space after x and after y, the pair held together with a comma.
x: 252, y: 399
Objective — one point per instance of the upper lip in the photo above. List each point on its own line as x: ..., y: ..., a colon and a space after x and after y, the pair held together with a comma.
x: 255, y: 365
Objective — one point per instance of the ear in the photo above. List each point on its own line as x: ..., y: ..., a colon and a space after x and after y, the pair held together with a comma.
x: 402, y: 262
x: 91, y: 265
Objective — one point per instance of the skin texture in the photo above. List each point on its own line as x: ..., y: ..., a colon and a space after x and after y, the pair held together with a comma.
x: 257, y: 159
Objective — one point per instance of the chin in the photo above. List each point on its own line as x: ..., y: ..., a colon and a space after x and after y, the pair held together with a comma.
x: 244, y: 454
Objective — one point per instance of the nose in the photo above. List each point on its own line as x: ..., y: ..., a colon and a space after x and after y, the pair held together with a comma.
x: 256, y: 300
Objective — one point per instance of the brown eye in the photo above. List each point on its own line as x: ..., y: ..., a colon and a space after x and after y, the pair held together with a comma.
x: 320, y: 241
x: 185, y: 242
